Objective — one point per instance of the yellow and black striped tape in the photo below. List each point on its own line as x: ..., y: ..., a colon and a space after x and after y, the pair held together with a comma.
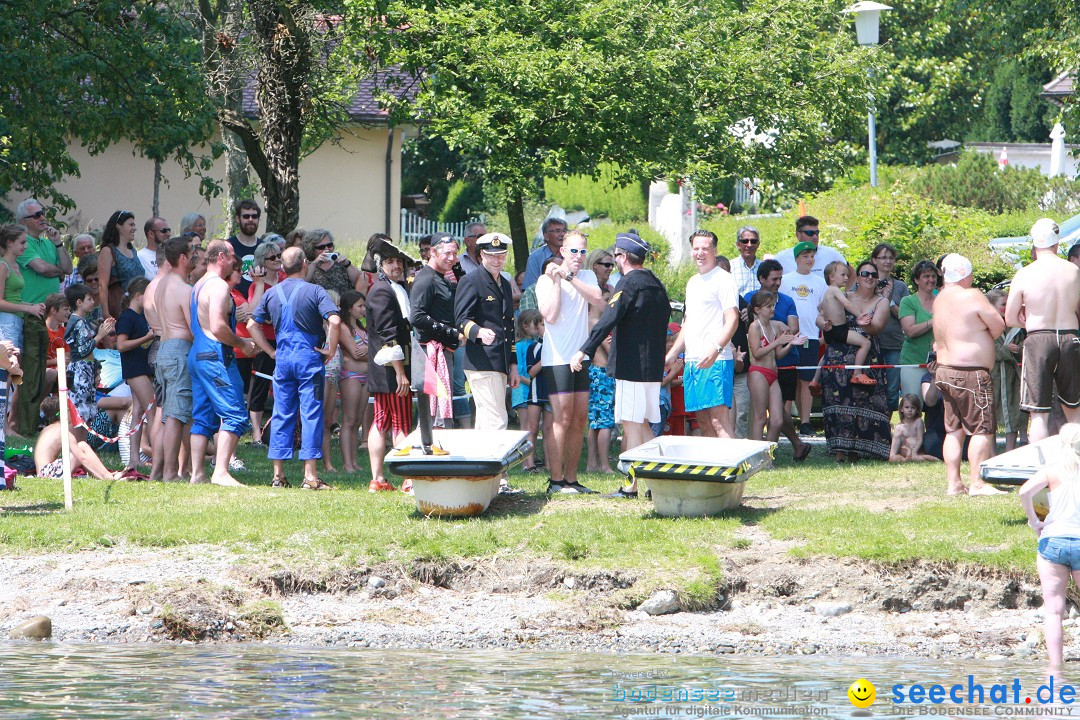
x: 680, y: 469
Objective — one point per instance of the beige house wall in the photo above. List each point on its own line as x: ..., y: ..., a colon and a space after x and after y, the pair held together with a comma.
x: 342, y: 187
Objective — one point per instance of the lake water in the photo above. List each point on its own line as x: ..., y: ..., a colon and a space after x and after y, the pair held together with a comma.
x: 258, y: 681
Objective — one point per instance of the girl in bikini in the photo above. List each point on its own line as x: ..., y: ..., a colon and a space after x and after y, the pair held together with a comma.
x: 768, y: 340
x: 354, y: 368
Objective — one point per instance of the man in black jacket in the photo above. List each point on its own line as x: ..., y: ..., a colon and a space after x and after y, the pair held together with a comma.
x: 484, y: 309
x: 389, y: 346
x: 435, y: 337
x: 637, y: 318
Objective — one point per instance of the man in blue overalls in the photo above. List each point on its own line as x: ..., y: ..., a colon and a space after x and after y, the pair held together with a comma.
x: 217, y: 396
x: 297, y: 309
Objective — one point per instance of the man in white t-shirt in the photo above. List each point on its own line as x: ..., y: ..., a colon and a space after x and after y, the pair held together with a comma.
x: 564, y: 292
x: 157, y: 232
x: 806, y: 289
x: 709, y: 321
x: 807, y: 231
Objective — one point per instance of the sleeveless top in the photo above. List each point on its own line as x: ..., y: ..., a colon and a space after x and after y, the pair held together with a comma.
x: 1063, y: 520
x: 336, y: 278
x: 13, y: 288
x: 126, y: 268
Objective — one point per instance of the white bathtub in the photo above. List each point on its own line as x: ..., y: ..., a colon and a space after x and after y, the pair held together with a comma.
x: 464, y: 482
x: 693, y: 476
x: 1016, y: 466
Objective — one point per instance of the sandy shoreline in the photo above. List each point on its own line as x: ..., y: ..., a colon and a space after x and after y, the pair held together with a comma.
x: 770, y: 604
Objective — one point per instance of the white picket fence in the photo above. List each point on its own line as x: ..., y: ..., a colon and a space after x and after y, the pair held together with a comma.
x: 414, y: 227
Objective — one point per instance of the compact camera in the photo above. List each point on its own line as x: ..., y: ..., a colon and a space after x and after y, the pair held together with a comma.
x: 333, y: 256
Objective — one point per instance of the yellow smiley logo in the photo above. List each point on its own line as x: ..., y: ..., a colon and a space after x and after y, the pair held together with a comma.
x: 862, y: 693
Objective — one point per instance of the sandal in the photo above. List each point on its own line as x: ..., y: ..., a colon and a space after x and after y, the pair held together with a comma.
x: 860, y: 379
x: 799, y: 457
x: 815, y: 388
x: 316, y: 485
x: 406, y: 486
x: 281, y: 483
x: 380, y: 486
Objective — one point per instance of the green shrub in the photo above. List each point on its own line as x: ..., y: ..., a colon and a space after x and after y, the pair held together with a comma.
x: 600, y: 197
x: 975, y: 181
x: 856, y: 218
x: 463, y: 201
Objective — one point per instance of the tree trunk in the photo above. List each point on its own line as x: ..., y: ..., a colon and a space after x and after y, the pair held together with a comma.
x: 515, y: 209
x: 284, y: 95
x: 223, y: 27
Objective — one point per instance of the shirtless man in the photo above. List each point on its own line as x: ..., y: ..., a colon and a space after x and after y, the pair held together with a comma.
x: 167, y: 306
x: 48, y: 447
x: 965, y: 325
x: 1043, y: 300
x: 217, y: 393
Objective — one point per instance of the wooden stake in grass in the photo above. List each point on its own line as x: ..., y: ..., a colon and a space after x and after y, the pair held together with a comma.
x: 65, y: 446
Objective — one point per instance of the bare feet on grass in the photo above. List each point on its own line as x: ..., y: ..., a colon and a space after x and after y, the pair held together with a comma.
x: 984, y: 489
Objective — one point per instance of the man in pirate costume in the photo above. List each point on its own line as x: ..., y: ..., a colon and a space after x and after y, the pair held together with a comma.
x: 389, y: 345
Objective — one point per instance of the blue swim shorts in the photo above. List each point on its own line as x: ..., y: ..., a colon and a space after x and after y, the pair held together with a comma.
x: 708, y: 387
x: 1061, y: 551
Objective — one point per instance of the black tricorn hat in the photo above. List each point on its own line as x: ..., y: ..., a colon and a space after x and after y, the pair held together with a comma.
x: 379, y: 249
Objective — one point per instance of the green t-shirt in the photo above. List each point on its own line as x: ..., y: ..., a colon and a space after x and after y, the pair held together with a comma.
x: 915, y: 350
x: 38, y: 287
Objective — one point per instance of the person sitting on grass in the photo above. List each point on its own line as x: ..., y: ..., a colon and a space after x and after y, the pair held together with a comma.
x: 48, y: 447
x: 833, y: 305
x: 908, y: 433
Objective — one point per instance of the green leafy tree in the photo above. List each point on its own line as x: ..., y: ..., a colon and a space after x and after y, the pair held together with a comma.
x: 95, y: 71
x: 290, y: 50
x: 673, y: 87
x: 947, y: 66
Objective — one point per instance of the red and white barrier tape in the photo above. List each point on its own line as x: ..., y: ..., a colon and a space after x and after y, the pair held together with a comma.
x: 79, y: 422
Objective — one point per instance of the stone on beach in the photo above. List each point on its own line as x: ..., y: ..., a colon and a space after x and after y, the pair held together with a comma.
x: 36, y: 628
x: 829, y: 609
x: 662, y: 602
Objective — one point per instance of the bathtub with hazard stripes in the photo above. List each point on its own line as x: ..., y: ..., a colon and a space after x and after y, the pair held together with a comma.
x: 1016, y: 466
x: 693, y: 476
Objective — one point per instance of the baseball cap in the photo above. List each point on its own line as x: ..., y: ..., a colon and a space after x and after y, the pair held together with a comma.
x: 955, y: 267
x: 802, y: 247
x: 1044, y: 233
x: 631, y: 243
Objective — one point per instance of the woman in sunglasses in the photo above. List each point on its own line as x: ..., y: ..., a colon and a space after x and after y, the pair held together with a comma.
x: 265, y: 274
x: 857, y: 416
x: 917, y: 319
x: 117, y: 262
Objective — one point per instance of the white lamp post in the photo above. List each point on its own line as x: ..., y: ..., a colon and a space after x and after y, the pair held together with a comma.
x: 867, y: 21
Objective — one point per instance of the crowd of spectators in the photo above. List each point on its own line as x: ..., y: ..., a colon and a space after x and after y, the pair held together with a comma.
x: 578, y: 346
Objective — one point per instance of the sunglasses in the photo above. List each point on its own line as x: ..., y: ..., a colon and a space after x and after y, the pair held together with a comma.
x: 272, y: 257
x: 576, y: 251
x: 249, y: 216
x: 810, y: 233
x: 868, y: 274
x: 606, y: 264
x: 167, y: 231
x: 748, y: 241
x: 38, y: 214
x: 324, y: 246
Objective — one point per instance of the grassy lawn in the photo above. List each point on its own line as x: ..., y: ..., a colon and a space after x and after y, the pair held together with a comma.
x: 875, y: 511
